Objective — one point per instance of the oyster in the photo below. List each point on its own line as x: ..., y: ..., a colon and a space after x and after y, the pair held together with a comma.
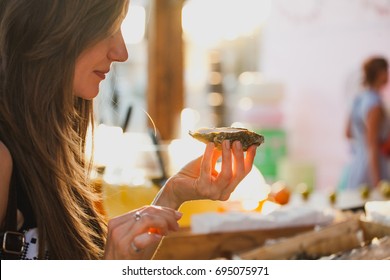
x: 218, y: 134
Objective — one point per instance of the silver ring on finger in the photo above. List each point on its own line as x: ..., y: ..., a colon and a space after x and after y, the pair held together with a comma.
x: 135, y: 248
x: 137, y: 216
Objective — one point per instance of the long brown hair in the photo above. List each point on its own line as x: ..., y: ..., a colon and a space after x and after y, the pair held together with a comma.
x: 43, y: 124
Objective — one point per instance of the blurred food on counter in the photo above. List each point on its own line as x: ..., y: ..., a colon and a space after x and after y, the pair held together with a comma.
x: 300, y: 175
x: 304, y: 191
x: 378, y: 212
x: 384, y: 188
x: 365, y: 191
x: 333, y: 198
x: 288, y: 232
x: 280, y: 218
x: 280, y: 193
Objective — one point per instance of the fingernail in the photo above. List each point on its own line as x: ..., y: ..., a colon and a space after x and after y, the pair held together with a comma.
x: 178, y: 215
x: 238, y: 145
x: 157, y: 236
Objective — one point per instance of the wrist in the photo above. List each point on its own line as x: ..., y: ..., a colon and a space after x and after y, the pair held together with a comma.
x: 167, y: 197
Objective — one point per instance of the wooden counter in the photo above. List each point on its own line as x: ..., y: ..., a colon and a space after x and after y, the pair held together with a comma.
x: 333, y: 239
x: 185, y: 245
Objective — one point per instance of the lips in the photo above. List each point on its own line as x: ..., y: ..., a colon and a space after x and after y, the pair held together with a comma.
x: 101, y: 75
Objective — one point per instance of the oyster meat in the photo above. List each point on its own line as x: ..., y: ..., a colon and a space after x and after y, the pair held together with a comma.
x: 218, y: 134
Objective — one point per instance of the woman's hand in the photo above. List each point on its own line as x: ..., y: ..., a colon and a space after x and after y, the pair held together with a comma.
x: 199, y: 179
x: 136, y: 234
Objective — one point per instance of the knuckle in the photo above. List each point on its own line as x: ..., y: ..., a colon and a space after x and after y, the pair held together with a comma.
x: 154, y: 209
x: 147, y: 218
x: 225, y: 180
x: 225, y: 197
x: 204, y: 193
x: 114, y: 234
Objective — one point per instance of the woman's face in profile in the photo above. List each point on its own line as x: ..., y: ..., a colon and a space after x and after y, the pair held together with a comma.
x: 94, y: 63
x: 383, y: 78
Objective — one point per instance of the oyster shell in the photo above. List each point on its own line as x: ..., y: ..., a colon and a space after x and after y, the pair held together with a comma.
x: 218, y: 134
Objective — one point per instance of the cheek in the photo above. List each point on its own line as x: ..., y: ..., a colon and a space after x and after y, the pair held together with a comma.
x: 79, y: 85
x: 385, y: 79
x: 85, y: 84
x: 78, y: 72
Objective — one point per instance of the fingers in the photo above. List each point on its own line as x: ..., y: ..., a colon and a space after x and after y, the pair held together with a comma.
x: 142, y: 241
x: 161, y: 222
x: 226, y: 170
x: 234, y: 168
x: 250, y: 157
x: 132, y: 232
x: 208, y: 160
x: 238, y: 163
x: 216, y: 155
x: 242, y: 163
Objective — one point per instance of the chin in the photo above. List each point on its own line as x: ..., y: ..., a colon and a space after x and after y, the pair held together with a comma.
x: 90, y: 96
x: 87, y: 94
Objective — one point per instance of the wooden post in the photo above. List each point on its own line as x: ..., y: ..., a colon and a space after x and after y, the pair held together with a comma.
x: 165, y: 66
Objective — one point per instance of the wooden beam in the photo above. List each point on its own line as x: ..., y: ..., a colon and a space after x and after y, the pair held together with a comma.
x: 165, y: 66
x: 328, y: 240
x: 184, y: 245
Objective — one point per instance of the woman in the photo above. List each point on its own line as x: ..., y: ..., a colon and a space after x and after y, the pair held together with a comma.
x: 53, y: 55
x: 367, y: 128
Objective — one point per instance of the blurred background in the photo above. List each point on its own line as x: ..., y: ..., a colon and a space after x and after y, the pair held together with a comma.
x: 287, y: 69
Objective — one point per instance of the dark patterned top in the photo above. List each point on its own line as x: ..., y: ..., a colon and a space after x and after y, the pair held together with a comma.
x: 29, y: 227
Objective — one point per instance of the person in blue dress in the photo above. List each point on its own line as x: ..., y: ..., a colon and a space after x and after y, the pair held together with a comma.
x: 367, y: 128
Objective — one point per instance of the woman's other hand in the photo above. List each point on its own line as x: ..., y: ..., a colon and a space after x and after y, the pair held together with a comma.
x: 200, y: 180
x: 136, y: 234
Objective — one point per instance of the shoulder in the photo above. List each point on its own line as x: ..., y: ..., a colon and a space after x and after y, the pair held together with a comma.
x: 372, y: 99
x: 6, y: 159
x: 5, y: 178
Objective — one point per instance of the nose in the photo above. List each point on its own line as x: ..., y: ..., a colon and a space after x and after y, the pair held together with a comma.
x: 118, y: 50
